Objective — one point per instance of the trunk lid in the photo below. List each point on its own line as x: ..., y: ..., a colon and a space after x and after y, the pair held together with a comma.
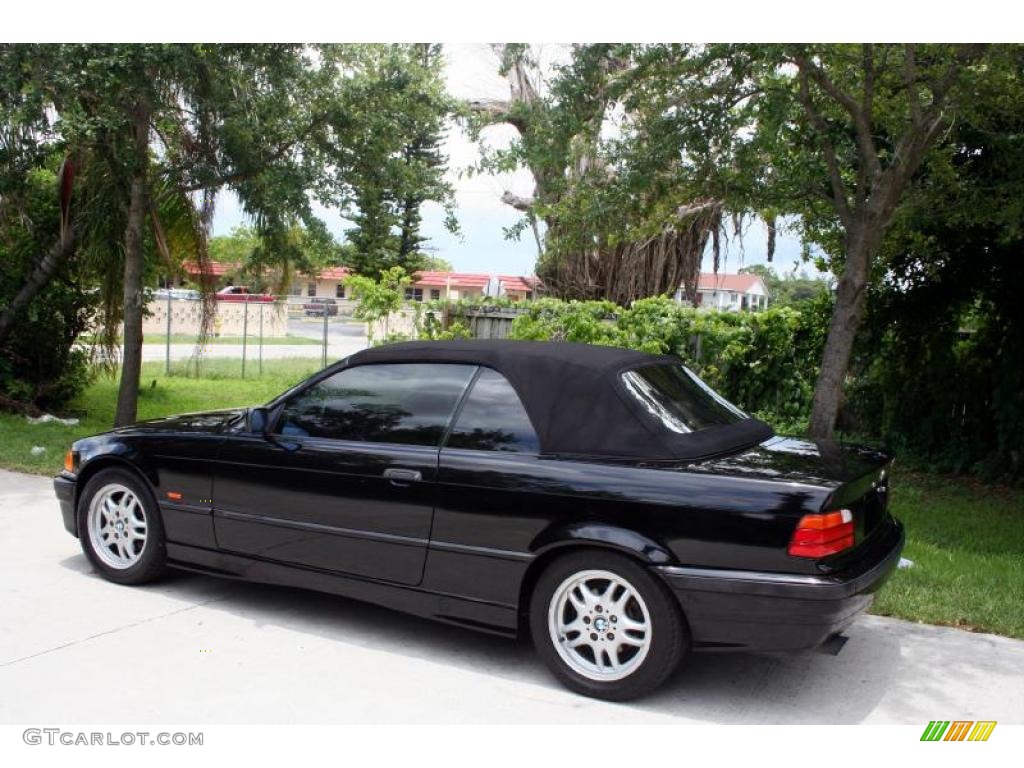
x: 867, y: 497
x: 824, y: 463
x: 851, y: 477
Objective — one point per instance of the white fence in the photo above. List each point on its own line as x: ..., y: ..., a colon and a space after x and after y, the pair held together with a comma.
x: 231, y: 318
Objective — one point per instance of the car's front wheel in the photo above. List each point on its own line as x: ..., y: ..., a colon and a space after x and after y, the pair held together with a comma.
x: 605, y: 626
x: 120, y: 528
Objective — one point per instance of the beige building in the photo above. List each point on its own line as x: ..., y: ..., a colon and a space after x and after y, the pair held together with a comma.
x: 330, y: 283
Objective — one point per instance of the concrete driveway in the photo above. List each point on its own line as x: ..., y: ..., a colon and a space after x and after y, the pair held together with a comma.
x: 193, y: 649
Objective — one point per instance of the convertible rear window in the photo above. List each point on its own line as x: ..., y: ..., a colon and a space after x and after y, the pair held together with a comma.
x: 678, y: 399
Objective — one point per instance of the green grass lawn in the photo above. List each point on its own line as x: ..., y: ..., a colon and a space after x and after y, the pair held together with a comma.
x: 221, y: 386
x: 967, y: 543
x: 965, y: 538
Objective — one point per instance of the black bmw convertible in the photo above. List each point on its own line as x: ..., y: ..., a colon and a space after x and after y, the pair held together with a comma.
x: 605, y: 501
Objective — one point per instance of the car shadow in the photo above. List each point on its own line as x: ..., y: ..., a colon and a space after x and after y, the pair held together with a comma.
x: 810, y: 687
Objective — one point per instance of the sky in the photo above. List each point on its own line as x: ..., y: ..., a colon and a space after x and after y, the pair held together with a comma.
x: 472, y: 72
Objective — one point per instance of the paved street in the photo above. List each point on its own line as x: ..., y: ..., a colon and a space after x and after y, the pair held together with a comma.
x: 75, y: 649
x: 338, y: 330
x: 343, y: 338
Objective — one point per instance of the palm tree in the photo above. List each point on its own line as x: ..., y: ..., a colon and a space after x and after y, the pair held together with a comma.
x: 90, y: 228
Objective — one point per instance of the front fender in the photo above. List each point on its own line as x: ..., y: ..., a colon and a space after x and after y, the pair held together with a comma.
x: 602, y: 535
x: 103, y: 451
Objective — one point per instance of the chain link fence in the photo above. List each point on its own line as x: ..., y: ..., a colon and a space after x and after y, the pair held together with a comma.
x: 248, y: 328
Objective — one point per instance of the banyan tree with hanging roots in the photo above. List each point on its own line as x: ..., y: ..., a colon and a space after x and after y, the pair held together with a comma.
x: 658, y: 264
x: 588, y: 256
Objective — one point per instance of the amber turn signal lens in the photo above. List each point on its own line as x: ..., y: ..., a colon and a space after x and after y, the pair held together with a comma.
x: 69, y: 462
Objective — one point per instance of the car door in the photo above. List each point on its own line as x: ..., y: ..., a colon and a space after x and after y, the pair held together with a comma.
x: 495, y: 493
x: 345, y: 480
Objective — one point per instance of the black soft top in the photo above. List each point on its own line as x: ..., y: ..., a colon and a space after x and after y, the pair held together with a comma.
x: 575, y: 398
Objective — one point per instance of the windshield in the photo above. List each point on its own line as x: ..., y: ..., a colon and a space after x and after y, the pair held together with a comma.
x: 678, y: 399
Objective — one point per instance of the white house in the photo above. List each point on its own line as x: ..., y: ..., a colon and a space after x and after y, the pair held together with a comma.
x: 736, y: 293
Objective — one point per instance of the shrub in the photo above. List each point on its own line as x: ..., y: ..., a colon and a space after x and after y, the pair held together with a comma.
x: 584, y: 322
x: 766, y: 362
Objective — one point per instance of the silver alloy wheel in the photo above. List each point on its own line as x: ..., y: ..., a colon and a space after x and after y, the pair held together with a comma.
x: 600, y: 625
x: 117, y: 526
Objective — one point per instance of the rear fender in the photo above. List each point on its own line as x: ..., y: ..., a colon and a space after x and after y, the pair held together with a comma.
x: 585, y: 535
x: 602, y: 535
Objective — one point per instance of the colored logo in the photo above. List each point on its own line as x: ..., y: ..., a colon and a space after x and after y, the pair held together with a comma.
x: 958, y: 730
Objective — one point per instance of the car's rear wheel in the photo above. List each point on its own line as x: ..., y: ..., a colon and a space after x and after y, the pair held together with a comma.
x: 605, y: 626
x: 120, y: 528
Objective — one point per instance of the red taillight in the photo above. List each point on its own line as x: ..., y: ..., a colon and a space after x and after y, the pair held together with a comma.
x: 822, y: 535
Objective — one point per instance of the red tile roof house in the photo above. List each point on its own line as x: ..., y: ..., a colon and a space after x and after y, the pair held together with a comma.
x: 735, y: 293
x: 426, y: 285
x: 330, y: 283
x: 518, y: 288
x: 217, y: 271
x: 465, y: 285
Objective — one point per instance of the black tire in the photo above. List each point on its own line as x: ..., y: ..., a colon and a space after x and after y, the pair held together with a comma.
x: 152, y: 559
x: 669, y: 639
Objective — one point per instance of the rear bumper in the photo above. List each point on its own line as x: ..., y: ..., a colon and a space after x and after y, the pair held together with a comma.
x: 751, y: 610
x: 64, y: 487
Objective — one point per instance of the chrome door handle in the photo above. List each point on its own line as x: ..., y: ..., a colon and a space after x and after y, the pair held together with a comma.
x: 399, y: 476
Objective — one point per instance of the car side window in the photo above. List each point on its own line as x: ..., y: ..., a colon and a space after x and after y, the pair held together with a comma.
x: 410, y: 403
x: 493, y: 418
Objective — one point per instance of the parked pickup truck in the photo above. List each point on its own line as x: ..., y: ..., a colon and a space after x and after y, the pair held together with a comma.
x: 241, y: 293
x: 318, y: 307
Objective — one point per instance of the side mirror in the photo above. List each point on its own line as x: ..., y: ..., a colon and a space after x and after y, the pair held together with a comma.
x: 259, y: 420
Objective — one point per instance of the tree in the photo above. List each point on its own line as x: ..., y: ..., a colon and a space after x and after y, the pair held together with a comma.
x: 162, y: 128
x: 271, y: 263
x: 604, y: 226
x: 907, y: 98
x: 166, y: 123
x: 831, y: 133
x: 436, y: 264
x: 395, y: 108
x: 378, y: 299
x: 237, y: 247
x: 939, y: 366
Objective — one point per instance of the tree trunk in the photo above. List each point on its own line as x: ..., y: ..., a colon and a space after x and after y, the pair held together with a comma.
x: 407, y: 227
x: 41, y: 275
x: 134, y: 262
x: 846, y: 316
